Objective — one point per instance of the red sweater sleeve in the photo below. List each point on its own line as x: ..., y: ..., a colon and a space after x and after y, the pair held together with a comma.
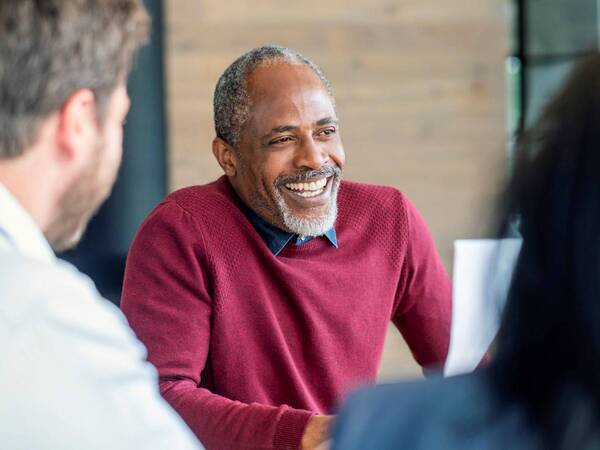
x: 424, y: 299
x: 167, y: 300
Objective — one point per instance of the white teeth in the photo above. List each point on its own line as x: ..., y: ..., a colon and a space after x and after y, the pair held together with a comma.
x: 313, y: 188
x: 310, y: 194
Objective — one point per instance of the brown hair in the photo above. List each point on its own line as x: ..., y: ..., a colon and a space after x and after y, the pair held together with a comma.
x: 51, y: 48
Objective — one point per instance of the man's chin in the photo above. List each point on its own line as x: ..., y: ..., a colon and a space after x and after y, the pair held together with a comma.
x: 310, y: 224
x: 69, y: 230
x: 69, y: 241
x: 310, y: 218
x: 315, y: 215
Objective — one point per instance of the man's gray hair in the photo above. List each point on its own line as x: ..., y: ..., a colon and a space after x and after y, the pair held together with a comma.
x: 50, y: 49
x: 231, y: 99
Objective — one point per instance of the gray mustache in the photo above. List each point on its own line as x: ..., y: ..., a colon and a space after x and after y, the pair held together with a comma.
x: 304, y: 175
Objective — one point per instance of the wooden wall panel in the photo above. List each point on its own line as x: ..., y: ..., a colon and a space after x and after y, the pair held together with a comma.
x: 419, y: 87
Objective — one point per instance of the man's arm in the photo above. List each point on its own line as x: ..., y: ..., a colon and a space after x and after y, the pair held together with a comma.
x: 423, y: 308
x: 167, y: 299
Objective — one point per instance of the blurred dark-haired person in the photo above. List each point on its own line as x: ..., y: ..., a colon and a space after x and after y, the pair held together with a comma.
x: 72, y: 374
x: 542, y: 390
x: 265, y: 296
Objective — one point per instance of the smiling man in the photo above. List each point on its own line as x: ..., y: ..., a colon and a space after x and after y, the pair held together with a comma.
x: 265, y: 296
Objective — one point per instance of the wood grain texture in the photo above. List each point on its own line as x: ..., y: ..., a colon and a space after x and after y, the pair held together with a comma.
x: 419, y: 87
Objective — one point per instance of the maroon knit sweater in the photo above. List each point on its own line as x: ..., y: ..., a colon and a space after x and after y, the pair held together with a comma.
x: 249, y: 345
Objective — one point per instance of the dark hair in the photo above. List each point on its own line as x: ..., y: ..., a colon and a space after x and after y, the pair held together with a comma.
x: 548, y: 347
x: 51, y: 48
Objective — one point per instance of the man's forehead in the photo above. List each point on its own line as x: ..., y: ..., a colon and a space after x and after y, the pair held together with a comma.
x: 284, y: 112
x: 284, y: 92
x: 281, y: 78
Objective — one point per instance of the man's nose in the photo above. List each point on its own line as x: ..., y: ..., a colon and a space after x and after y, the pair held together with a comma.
x: 310, y: 154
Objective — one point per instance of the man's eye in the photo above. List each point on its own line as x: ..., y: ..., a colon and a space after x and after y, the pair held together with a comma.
x: 281, y: 140
x: 327, y: 131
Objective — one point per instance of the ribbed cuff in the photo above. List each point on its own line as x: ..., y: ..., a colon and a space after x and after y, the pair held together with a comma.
x: 290, y: 429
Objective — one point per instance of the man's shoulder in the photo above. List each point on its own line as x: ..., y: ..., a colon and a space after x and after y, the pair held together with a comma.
x: 369, y: 205
x: 71, y: 362
x: 199, y: 200
x: 377, y: 198
x: 26, y: 282
x: 375, y: 192
x: 196, y: 210
x: 56, y: 295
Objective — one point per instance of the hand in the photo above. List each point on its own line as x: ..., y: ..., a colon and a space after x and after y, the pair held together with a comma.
x: 316, y: 433
x: 324, y: 446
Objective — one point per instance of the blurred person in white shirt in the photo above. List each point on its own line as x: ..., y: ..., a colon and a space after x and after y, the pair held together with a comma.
x: 72, y: 373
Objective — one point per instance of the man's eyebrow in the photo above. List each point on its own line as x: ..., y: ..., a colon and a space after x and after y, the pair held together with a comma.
x: 280, y: 129
x: 327, y: 121
x: 283, y: 129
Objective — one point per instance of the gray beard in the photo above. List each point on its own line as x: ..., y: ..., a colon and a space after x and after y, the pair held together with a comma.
x: 316, y: 226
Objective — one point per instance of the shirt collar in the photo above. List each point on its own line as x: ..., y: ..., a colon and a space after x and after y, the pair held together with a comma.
x: 276, y: 238
x: 19, y: 230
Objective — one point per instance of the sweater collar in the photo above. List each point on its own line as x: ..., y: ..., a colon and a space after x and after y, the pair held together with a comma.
x: 276, y: 238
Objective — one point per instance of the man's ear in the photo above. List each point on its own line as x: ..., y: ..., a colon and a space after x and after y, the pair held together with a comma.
x: 77, y: 125
x: 225, y: 155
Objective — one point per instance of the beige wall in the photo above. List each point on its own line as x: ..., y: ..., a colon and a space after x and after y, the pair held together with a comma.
x: 419, y: 86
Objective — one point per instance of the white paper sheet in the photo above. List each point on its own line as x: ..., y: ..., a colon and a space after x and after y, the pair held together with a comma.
x: 482, y: 272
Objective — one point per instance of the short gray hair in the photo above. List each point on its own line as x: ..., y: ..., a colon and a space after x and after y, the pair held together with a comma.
x: 231, y: 99
x: 49, y: 49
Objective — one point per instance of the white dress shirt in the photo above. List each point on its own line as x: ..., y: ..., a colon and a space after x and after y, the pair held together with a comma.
x: 73, y: 376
